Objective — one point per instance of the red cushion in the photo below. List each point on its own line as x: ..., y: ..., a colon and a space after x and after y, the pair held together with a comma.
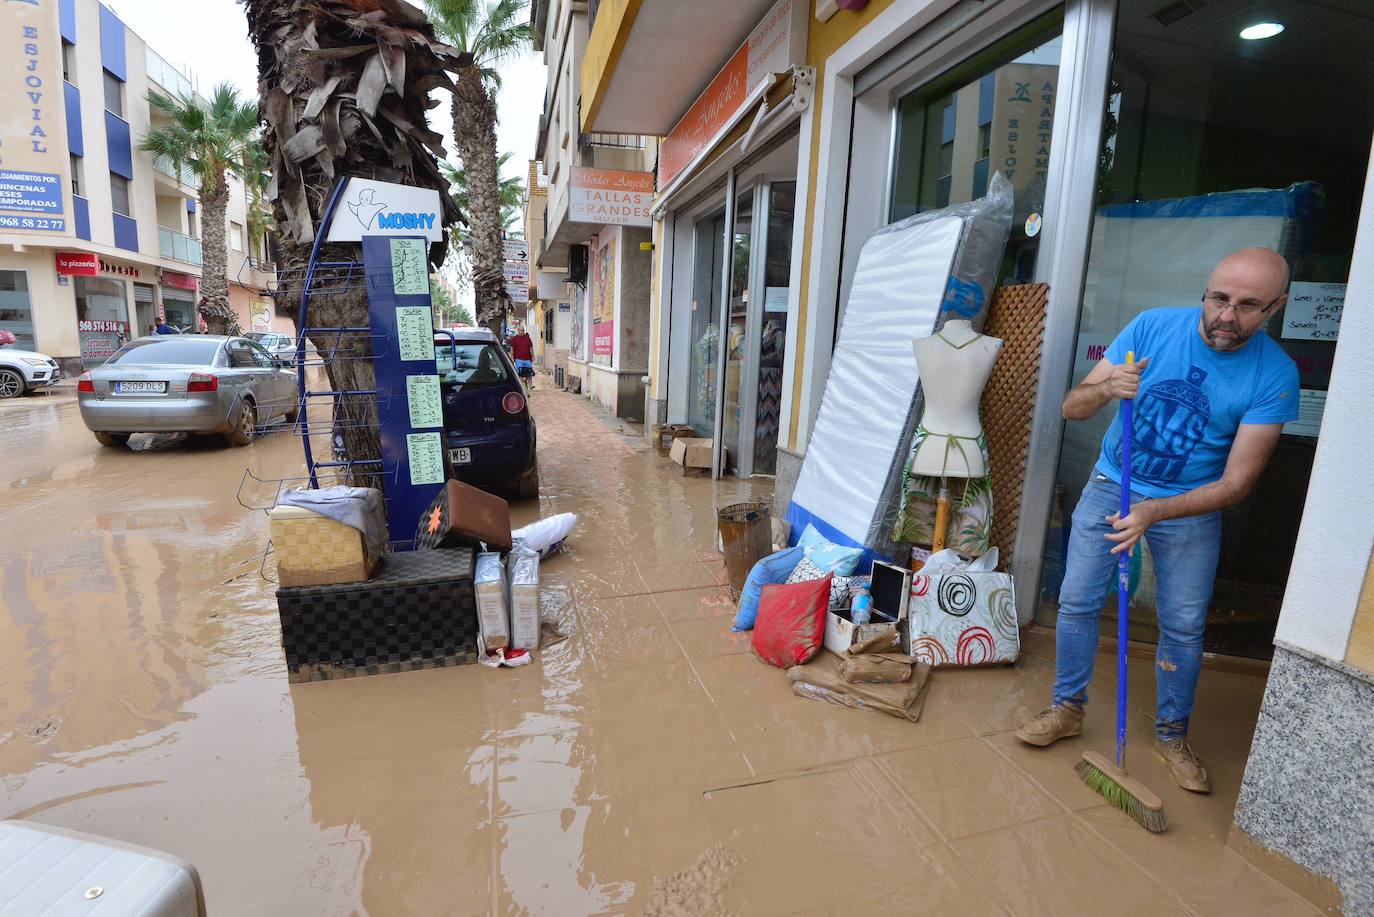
x: 791, y: 622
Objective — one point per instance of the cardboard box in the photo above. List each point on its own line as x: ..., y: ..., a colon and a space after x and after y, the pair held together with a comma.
x: 693, y: 453
x: 842, y: 633
x: 524, y: 600
x: 493, y: 617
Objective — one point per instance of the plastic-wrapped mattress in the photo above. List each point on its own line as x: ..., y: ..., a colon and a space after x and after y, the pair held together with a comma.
x: 911, y: 276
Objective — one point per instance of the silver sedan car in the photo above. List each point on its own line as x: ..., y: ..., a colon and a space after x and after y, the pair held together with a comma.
x: 186, y: 383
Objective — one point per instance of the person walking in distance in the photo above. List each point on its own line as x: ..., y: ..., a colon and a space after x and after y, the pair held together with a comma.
x: 522, y: 351
x: 1212, y: 393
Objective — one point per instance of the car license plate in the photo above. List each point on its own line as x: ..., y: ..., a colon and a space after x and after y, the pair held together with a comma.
x: 460, y: 456
x: 140, y: 388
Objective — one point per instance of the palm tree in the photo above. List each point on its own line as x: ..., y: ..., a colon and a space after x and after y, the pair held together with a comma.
x: 487, y: 32
x: 212, y: 138
x: 344, y: 89
x: 511, y: 191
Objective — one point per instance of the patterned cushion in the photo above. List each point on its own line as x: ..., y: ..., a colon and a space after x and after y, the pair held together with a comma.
x: 830, y: 557
x: 806, y: 570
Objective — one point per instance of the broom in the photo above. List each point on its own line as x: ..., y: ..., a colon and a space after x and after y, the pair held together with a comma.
x: 1109, y: 781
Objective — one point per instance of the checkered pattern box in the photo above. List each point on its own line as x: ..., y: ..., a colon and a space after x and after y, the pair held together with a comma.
x: 417, y: 612
x: 314, y: 550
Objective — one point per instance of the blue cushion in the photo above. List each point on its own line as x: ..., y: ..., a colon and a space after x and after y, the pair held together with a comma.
x: 830, y: 557
x: 771, y: 571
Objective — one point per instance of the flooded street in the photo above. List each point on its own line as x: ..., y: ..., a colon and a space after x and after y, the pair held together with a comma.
x: 646, y: 764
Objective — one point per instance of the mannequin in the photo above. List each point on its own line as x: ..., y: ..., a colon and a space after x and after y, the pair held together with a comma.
x: 955, y: 363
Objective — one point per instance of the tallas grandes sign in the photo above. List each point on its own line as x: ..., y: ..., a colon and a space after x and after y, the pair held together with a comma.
x: 777, y: 42
x: 378, y: 208
x: 611, y: 197
x: 33, y: 147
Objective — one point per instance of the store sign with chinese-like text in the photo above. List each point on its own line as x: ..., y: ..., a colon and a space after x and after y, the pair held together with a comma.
x: 33, y: 149
x: 775, y: 44
x: 77, y: 264
x: 611, y: 197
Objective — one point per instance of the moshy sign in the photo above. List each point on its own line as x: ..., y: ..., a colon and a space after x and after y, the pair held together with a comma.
x: 377, y: 208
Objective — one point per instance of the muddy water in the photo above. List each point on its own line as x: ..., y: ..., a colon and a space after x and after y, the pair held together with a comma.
x: 646, y: 764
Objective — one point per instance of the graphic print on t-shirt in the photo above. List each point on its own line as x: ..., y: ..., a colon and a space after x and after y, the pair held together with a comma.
x: 1171, y: 419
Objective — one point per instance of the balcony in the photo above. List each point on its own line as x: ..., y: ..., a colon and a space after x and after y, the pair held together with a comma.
x: 178, y: 246
x: 164, y: 166
x: 166, y: 76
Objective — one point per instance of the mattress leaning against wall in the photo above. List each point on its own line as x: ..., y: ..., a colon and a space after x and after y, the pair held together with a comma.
x: 910, y: 277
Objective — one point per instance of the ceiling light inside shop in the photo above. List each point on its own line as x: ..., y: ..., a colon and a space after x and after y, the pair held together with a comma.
x: 1261, y: 30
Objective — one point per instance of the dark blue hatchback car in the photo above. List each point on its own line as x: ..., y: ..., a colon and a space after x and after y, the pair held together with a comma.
x: 488, y: 429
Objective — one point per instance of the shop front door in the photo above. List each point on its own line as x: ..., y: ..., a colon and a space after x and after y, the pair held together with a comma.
x: 1214, y: 142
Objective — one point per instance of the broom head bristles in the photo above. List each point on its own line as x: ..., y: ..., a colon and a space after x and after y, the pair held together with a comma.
x: 1121, y: 791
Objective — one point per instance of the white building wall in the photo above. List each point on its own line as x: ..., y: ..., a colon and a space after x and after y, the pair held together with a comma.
x: 1337, y: 531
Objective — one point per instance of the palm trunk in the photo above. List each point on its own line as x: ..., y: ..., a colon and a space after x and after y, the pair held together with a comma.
x: 474, y: 127
x: 214, y: 279
x: 344, y: 88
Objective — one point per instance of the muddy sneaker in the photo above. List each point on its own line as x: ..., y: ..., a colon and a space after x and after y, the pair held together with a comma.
x: 1049, y: 726
x: 1183, y: 765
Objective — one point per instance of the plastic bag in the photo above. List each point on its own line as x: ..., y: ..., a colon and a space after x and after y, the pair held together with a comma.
x: 546, y: 535
x: 949, y: 561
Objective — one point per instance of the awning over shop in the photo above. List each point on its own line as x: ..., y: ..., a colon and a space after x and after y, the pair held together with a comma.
x: 646, y: 62
x: 768, y: 110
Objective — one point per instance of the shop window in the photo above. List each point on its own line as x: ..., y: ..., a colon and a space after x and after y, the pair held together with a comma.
x: 114, y: 94
x: 993, y: 113
x: 119, y: 194
x: 103, y: 300
x: 1214, y: 143
x: 705, y: 332
x: 16, y: 309
x: 78, y: 183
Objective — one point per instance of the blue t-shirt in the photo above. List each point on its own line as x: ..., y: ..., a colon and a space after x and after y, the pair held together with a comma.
x: 1192, y: 400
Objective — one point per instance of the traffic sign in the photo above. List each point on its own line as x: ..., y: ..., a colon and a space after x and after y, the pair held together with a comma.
x: 519, y: 292
x: 515, y: 250
x: 516, y: 271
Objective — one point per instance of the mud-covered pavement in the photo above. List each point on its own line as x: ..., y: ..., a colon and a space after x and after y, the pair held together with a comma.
x: 646, y: 764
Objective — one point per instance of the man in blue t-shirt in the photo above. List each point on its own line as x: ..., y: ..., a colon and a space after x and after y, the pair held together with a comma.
x: 1212, y: 393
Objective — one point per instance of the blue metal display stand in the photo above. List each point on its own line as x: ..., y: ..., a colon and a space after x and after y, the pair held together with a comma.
x: 410, y: 490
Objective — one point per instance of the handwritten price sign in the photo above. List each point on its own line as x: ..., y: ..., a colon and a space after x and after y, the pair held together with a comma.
x: 1314, y: 311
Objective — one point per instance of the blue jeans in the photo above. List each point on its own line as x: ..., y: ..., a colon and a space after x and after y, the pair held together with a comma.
x: 1185, y: 555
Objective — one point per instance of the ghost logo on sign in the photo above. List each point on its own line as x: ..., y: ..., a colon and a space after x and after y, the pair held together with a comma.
x: 365, y: 208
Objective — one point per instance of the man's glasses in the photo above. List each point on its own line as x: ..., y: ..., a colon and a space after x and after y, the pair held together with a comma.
x: 1222, y: 302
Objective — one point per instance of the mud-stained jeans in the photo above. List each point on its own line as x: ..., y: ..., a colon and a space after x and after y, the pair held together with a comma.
x: 1185, y: 553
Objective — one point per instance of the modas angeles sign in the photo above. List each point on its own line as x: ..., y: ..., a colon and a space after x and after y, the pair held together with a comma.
x: 610, y: 197
x: 378, y: 208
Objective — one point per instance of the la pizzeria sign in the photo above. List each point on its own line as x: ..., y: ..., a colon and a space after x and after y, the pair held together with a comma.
x: 610, y: 197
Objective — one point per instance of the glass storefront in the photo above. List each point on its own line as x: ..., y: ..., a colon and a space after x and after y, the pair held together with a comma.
x: 1213, y: 143
x: 777, y: 274
x: 102, y: 317
x: 16, y: 308
x: 992, y: 113
x: 704, y: 333
x: 737, y: 329
x: 179, y: 309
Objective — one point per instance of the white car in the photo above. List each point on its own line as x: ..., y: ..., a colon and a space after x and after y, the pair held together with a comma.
x: 22, y: 371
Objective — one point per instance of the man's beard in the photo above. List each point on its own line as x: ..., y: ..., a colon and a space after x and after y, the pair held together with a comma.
x: 1222, y: 342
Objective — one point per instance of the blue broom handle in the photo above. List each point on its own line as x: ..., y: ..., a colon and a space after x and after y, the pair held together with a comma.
x: 1123, y: 577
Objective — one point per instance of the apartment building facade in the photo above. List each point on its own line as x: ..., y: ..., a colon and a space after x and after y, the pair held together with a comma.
x: 595, y: 253
x: 97, y: 239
